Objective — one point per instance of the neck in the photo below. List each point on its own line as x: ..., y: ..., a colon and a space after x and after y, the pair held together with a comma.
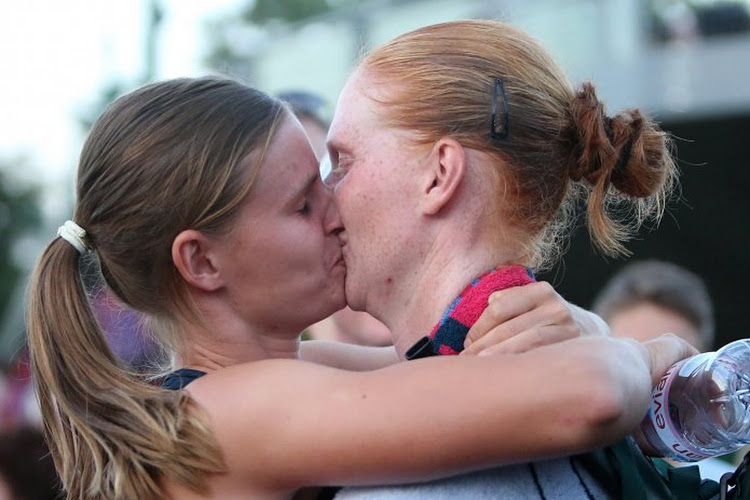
x: 223, y: 341
x: 222, y: 353
x: 421, y: 301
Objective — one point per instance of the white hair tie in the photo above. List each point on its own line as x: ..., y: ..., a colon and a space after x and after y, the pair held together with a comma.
x: 73, y: 234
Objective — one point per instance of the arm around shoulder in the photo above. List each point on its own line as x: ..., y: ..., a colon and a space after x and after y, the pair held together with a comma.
x: 288, y: 424
x: 347, y: 356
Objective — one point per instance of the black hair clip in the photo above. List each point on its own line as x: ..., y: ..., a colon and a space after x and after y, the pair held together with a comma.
x: 499, y: 125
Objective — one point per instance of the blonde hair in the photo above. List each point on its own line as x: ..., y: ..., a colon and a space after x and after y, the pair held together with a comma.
x: 439, y: 82
x: 164, y: 158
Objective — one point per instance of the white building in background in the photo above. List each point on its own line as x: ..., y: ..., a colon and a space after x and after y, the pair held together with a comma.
x: 606, y: 41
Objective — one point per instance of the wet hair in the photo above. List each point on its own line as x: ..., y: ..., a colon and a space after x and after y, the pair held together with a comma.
x: 559, y: 147
x: 662, y: 284
x: 180, y: 154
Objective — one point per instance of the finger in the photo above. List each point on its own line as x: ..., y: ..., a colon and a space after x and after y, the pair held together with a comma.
x: 665, y: 351
x: 532, y: 339
x: 497, y: 312
x: 545, y: 309
x: 589, y: 322
x: 496, y: 335
x: 547, y: 315
x: 644, y: 444
x: 504, y: 305
x: 551, y: 314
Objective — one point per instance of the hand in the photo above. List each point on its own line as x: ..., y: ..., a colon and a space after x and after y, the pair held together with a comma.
x: 521, y: 318
x: 664, y: 351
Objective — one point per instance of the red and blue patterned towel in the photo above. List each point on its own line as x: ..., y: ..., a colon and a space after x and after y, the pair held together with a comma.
x: 447, y: 337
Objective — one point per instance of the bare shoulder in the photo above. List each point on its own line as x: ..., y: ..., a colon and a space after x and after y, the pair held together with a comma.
x: 241, y: 387
x: 239, y: 398
x: 238, y: 379
x: 248, y: 407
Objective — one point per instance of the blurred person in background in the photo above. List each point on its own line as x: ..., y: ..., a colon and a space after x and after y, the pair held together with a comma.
x: 18, y: 403
x: 4, y: 391
x: 345, y: 325
x: 647, y: 298
x: 126, y: 331
x: 310, y: 110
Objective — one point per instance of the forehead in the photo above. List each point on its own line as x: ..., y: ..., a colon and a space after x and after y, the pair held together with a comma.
x: 289, y: 157
x: 355, y: 108
x: 360, y: 119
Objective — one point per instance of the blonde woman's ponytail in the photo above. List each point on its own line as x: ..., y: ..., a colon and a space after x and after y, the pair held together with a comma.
x: 111, y: 435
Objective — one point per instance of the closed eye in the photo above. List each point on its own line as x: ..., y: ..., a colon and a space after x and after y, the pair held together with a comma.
x: 305, y: 209
x: 301, y: 199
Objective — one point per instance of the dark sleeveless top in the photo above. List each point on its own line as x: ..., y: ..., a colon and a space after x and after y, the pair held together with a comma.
x: 178, y: 379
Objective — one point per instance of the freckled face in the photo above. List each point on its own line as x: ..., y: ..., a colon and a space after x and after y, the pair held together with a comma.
x: 372, y: 170
x: 283, y: 258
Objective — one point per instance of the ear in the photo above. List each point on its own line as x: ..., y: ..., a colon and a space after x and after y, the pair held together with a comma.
x: 445, y: 172
x: 191, y: 254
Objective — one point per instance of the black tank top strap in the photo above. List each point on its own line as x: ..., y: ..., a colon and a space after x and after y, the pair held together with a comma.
x: 328, y: 492
x: 178, y: 379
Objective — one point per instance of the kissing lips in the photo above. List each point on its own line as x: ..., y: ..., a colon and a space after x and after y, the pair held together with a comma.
x: 340, y: 262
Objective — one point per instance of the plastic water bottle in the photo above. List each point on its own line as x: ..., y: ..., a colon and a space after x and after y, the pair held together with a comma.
x: 701, y: 406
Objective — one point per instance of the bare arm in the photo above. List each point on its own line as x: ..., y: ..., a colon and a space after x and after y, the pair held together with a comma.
x: 284, y: 424
x: 347, y: 356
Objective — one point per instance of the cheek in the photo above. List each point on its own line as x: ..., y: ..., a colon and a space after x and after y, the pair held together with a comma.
x: 341, y: 198
x: 284, y: 248
x: 303, y: 248
x: 356, y: 197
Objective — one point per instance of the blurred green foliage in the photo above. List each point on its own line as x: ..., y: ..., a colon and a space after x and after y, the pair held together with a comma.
x: 227, y: 55
x: 20, y: 215
x: 107, y: 94
x: 261, y: 12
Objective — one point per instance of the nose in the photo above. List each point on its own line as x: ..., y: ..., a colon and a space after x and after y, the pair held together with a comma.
x: 332, y: 222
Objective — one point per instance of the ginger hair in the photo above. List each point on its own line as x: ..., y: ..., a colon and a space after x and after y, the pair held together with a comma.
x: 561, y: 147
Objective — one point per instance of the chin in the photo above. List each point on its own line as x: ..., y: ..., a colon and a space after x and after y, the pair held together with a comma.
x: 338, y: 302
x: 352, y: 296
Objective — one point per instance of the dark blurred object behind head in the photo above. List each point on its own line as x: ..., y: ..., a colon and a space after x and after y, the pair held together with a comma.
x: 310, y: 110
x: 26, y: 468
